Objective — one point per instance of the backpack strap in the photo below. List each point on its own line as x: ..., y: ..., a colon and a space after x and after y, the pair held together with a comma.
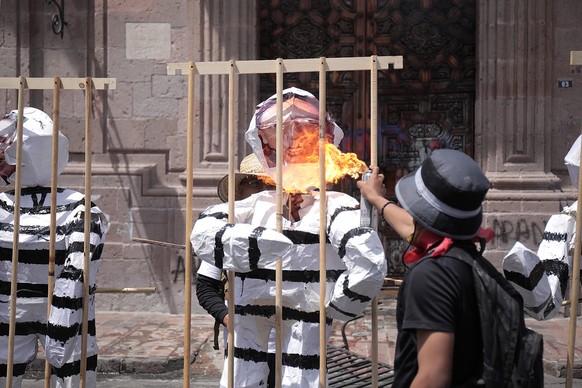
x: 461, y: 252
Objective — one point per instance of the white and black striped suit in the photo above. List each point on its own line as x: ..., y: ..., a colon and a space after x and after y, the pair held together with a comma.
x: 61, y: 335
x: 355, y: 273
x: 542, y: 278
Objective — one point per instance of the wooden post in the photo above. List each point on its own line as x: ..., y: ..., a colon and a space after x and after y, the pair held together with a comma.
x: 231, y: 199
x: 575, y: 59
x: 87, y: 230
x: 188, y: 246
x: 374, y: 162
x: 279, y: 227
x: 16, y: 235
x: 322, y: 225
x: 53, y: 215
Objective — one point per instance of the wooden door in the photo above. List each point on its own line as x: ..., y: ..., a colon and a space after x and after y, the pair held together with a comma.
x: 427, y: 105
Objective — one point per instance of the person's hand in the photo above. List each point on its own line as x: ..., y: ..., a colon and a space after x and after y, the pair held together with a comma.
x: 373, y: 189
x: 225, y: 320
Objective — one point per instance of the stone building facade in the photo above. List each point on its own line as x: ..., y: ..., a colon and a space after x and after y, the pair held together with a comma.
x: 525, y: 115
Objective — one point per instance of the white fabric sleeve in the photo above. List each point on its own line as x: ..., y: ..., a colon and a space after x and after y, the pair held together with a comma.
x: 209, y: 271
x: 361, y: 251
x: 238, y: 247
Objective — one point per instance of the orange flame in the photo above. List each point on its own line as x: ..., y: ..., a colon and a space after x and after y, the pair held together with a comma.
x: 302, y: 177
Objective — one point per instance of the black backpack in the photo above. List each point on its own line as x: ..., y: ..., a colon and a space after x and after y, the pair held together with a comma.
x: 512, y: 353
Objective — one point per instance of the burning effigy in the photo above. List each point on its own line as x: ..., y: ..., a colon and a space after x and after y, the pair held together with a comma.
x: 251, y: 246
x: 542, y: 277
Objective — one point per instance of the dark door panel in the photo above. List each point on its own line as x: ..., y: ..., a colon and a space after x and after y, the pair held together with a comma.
x: 427, y: 105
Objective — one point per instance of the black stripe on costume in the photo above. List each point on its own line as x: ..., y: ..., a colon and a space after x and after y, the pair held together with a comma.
x: 551, y: 236
x: 74, y: 368
x: 42, y: 231
x: 65, y: 302
x: 64, y: 333
x: 303, y: 238
x: 39, y: 209
x: 34, y: 230
x: 527, y: 282
x: 248, y: 354
x: 558, y: 268
x: 24, y: 328
x: 79, y: 226
x: 25, y: 290
x: 72, y: 273
x: 338, y: 211
x: 543, y: 306
x: 217, y: 215
x: 341, y: 311
x: 305, y: 276
x: 254, y: 251
x: 219, y: 247
x: 352, y: 233
x: 17, y: 369
x: 301, y: 361
x: 267, y: 311
x: 35, y: 256
x: 79, y: 246
x: 550, y: 307
x: 354, y: 295
x: 305, y: 362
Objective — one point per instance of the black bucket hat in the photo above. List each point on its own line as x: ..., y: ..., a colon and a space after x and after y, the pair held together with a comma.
x: 445, y: 194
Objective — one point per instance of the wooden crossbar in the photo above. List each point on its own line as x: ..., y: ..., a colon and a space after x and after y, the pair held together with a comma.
x: 65, y: 83
x: 287, y: 65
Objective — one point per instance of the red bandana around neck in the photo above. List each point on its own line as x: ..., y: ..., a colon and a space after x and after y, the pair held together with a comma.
x: 438, y: 245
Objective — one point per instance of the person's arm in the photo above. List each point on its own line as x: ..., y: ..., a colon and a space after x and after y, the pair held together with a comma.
x: 208, y: 294
x: 435, y: 359
x: 373, y: 190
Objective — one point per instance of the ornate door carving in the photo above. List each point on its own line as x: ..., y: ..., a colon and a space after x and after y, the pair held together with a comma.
x: 427, y: 105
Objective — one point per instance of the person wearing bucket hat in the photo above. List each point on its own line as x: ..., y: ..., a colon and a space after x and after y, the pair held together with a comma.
x: 59, y: 334
x: 439, y: 338
x: 252, y: 245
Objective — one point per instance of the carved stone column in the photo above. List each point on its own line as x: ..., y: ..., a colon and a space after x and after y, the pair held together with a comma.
x: 224, y: 30
x: 513, y: 103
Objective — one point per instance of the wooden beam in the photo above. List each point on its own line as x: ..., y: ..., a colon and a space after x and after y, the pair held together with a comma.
x: 66, y: 83
x: 286, y: 65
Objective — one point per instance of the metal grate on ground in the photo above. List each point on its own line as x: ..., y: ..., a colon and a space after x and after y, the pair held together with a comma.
x: 346, y: 369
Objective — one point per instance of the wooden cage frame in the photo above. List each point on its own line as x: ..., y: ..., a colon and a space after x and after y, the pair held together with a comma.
x: 56, y: 84
x: 278, y: 67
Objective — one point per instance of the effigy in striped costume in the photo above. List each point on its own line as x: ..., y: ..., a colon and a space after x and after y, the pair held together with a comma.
x: 61, y: 334
x: 542, y: 277
x: 250, y: 246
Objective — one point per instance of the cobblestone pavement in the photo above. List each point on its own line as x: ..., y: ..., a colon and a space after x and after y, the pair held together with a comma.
x: 148, y: 347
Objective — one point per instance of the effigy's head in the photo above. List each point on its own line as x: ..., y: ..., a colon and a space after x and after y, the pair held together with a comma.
x: 37, y: 135
x: 572, y: 161
x: 300, y: 141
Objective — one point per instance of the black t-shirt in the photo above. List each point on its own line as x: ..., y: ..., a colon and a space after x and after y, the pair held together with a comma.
x: 438, y: 295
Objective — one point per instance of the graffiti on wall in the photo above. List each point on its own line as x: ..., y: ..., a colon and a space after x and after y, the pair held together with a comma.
x: 527, y: 231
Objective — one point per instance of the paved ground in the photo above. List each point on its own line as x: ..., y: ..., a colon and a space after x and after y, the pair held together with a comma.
x: 146, y: 349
